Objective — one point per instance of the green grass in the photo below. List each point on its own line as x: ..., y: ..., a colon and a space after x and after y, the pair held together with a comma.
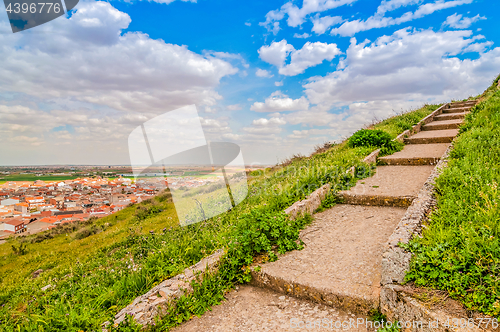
x: 460, y: 248
x: 33, y: 177
x: 404, y: 121
x: 94, y: 277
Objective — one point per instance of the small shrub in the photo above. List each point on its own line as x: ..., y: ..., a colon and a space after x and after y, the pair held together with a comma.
x: 42, y: 237
x: 20, y: 250
x: 166, y: 196
x: 86, y: 232
x: 369, y: 137
x: 147, y: 211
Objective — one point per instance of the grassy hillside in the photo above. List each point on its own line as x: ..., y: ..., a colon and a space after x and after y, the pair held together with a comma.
x: 93, y: 277
x: 460, y: 248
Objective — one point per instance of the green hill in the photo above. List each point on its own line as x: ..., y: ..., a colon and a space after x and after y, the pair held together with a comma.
x: 91, y: 271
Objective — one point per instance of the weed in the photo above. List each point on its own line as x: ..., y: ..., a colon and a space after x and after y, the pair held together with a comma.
x: 20, y: 250
x: 391, y: 147
x: 329, y: 201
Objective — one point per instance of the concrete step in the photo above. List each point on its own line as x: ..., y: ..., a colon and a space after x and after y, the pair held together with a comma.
x: 450, y: 116
x: 416, y: 155
x: 464, y: 103
x: 456, y: 109
x: 251, y: 309
x: 390, y: 186
x: 445, y: 124
x: 432, y: 136
x: 340, y: 265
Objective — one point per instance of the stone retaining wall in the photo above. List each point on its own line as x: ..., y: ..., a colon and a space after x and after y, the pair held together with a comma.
x: 146, y: 307
x: 308, y: 205
x: 395, y: 260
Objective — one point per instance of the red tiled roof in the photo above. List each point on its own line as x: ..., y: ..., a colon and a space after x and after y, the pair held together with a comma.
x: 15, y: 222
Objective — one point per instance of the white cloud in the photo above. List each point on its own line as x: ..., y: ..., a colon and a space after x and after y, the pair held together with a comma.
x: 390, y: 5
x: 307, y: 134
x: 262, y: 122
x: 409, y: 65
x: 86, y: 58
x: 321, y: 24
x: 209, y: 109
x: 235, y: 107
x: 316, y: 116
x: 296, y: 15
x: 458, y: 22
x: 280, y: 83
x: 350, y: 28
x: 265, y: 126
x: 248, y: 24
x: 218, y: 126
x: 432, y: 7
x: 89, y: 136
x: 305, y: 35
x: 263, y: 73
x: 310, y: 55
x: 276, y: 53
x: 279, y: 102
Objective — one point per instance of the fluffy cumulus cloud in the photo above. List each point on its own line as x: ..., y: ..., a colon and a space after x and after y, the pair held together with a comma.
x: 279, y: 102
x: 310, y: 55
x: 82, y: 85
x: 276, y: 53
x: 379, y: 20
x: 87, y: 58
x: 408, y: 65
x: 458, y: 22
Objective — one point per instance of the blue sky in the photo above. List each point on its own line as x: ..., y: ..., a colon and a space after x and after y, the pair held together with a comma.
x: 275, y: 77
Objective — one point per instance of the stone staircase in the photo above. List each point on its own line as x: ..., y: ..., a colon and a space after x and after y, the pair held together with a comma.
x: 340, y: 266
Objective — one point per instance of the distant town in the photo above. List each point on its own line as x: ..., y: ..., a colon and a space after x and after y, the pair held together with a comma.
x: 34, y: 199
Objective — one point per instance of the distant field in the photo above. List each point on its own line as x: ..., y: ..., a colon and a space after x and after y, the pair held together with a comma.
x: 30, y: 177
